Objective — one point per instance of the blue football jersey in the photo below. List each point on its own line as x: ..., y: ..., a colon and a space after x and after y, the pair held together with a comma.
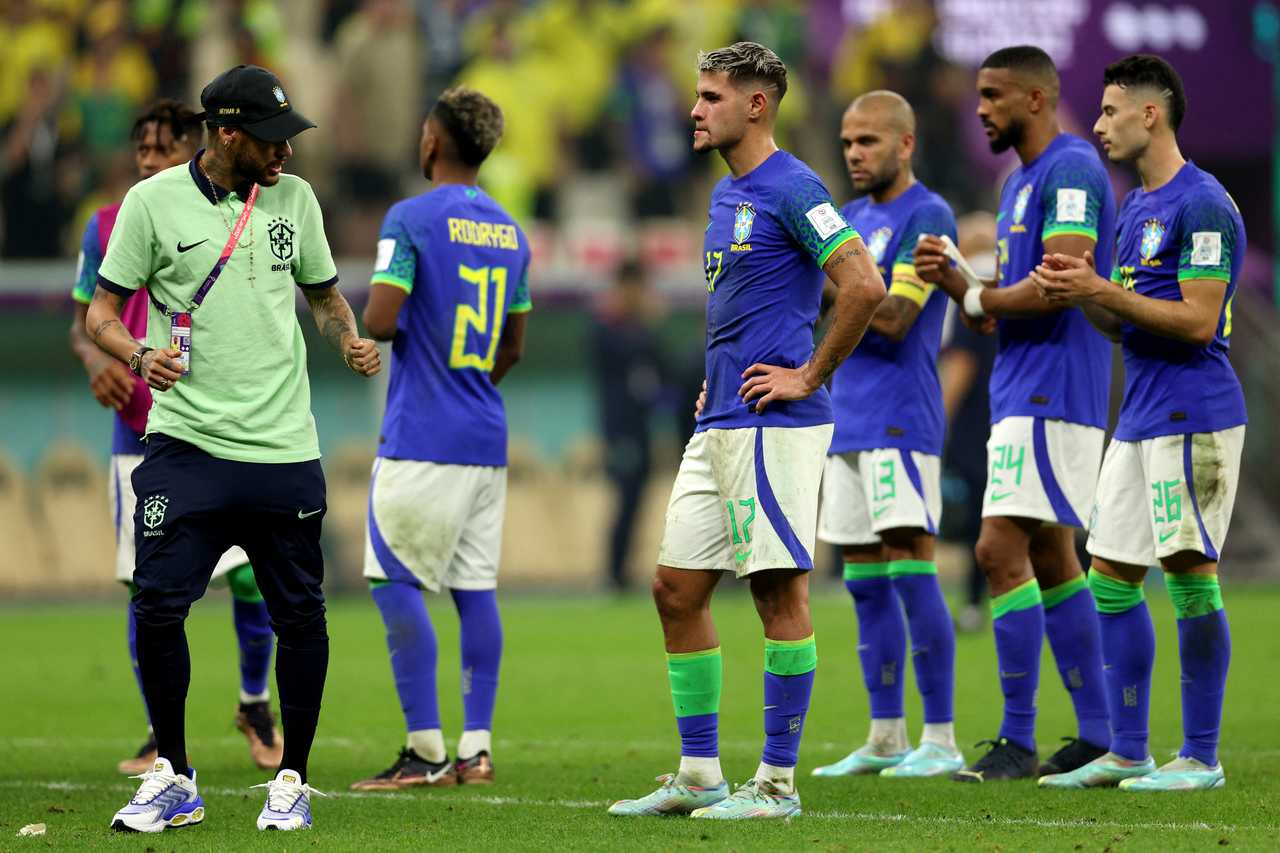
x: 887, y: 394
x: 769, y: 234
x: 1056, y: 365
x: 464, y: 263
x: 1187, y: 230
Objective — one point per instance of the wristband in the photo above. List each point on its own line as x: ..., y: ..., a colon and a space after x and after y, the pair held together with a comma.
x: 973, y: 302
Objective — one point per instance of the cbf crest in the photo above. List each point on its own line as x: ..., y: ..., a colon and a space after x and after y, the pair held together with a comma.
x: 1020, y: 203
x: 280, y: 233
x: 879, y: 241
x: 742, y: 222
x: 153, y: 510
x: 1152, y: 238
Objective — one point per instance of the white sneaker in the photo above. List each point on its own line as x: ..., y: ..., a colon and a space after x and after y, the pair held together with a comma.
x: 164, y: 800
x: 288, y: 803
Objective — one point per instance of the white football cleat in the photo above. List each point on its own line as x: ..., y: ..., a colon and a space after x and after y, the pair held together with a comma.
x: 288, y: 804
x: 164, y: 800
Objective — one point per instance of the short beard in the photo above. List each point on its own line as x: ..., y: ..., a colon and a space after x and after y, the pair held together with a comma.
x: 1011, y: 138
x: 881, y: 182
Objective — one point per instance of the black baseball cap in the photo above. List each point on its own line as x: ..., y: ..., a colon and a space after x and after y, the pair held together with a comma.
x: 251, y: 97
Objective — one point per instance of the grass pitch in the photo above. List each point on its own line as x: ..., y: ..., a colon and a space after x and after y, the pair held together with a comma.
x: 584, y: 717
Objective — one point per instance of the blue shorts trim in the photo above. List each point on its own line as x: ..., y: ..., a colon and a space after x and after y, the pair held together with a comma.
x: 1188, y: 474
x: 1057, y: 500
x: 917, y: 483
x: 773, y: 511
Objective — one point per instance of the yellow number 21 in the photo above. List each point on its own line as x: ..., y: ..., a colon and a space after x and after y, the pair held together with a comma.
x: 478, y: 317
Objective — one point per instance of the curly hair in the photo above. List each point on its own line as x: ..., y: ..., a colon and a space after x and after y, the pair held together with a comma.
x: 472, y: 121
x: 746, y: 61
x: 183, y: 122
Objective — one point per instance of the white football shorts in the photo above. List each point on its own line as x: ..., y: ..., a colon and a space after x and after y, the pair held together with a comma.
x: 1163, y: 495
x: 1042, y: 469
x: 123, y: 500
x: 746, y: 500
x: 435, y: 525
x: 867, y: 491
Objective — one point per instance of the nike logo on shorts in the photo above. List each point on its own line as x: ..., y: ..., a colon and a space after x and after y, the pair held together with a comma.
x: 1166, y: 536
x: 999, y: 496
x: 302, y: 514
x: 182, y: 248
x: 879, y: 512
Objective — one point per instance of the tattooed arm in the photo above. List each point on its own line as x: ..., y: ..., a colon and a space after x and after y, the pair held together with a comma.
x: 337, y: 325
x: 160, y: 368
x: 859, y: 292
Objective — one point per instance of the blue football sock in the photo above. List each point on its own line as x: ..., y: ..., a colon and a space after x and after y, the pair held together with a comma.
x: 412, y: 643
x: 253, y: 630
x: 1071, y: 623
x: 1204, y: 647
x: 131, y: 636
x: 1129, y: 649
x: 481, y: 641
x: 695, y: 679
x: 789, y: 667
x: 1017, y: 617
x: 933, y: 638
x: 882, y: 636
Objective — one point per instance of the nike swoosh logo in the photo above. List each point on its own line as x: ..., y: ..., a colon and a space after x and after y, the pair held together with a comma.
x: 741, y: 556
x: 879, y: 512
x: 182, y: 248
x: 302, y: 514
x: 1165, y: 537
x: 999, y: 496
x: 1004, y: 674
x: 770, y: 707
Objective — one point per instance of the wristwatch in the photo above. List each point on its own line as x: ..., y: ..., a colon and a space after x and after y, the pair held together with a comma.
x: 135, y: 360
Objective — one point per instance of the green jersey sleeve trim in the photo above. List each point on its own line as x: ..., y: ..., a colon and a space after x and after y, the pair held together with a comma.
x: 1194, y: 274
x: 393, y: 281
x: 837, y: 241
x: 1069, y: 230
x: 80, y: 297
x: 522, y: 308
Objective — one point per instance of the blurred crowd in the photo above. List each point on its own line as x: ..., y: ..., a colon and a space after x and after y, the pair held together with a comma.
x: 596, y: 95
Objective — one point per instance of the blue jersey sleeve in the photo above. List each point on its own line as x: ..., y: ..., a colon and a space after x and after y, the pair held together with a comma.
x: 808, y: 215
x: 1071, y: 198
x: 87, y: 264
x: 397, y: 261
x: 521, y: 302
x: 935, y: 219
x: 1207, y: 239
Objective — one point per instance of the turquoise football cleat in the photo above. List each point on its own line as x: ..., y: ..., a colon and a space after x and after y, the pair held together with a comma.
x: 757, y: 799
x: 863, y: 760
x: 672, y: 798
x: 1105, y: 772
x: 1181, y: 774
x: 927, y: 759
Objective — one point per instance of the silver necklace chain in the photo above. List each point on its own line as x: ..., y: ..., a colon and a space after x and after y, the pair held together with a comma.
x: 228, y: 222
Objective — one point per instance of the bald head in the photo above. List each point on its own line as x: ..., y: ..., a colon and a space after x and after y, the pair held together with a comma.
x: 886, y: 109
x: 878, y: 135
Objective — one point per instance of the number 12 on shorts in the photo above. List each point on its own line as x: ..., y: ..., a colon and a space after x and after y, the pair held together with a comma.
x: 479, y: 317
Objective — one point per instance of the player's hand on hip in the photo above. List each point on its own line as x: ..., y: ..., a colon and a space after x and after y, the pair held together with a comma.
x: 111, y: 383
x: 362, y: 356
x: 701, y: 402
x: 931, y: 260
x: 161, y: 368
x: 767, y: 382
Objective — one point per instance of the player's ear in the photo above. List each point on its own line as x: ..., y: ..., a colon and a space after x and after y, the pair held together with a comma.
x: 907, y: 146
x: 758, y: 106
x: 1150, y: 115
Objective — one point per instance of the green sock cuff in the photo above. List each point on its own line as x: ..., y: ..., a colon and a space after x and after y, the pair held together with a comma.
x: 1021, y: 597
x: 1112, y: 595
x: 243, y: 585
x: 376, y: 583
x: 696, y: 679
x: 1194, y: 595
x: 790, y: 657
x: 132, y: 587
x: 1055, y: 595
x: 898, y: 568
x: 865, y: 571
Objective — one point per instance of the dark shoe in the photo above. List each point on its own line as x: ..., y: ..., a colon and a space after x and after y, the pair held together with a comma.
x: 476, y: 770
x: 1005, y: 760
x: 1077, y: 753
x: 256, y: 722
x: 409, y: 770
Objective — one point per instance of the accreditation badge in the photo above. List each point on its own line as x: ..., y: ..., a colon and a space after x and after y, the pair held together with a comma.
x: 180, y: 337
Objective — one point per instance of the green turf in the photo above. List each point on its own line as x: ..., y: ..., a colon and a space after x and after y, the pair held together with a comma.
x: 584, y: 717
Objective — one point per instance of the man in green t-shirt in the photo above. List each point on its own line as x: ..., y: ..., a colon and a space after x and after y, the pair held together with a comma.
x: 232, y: 456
